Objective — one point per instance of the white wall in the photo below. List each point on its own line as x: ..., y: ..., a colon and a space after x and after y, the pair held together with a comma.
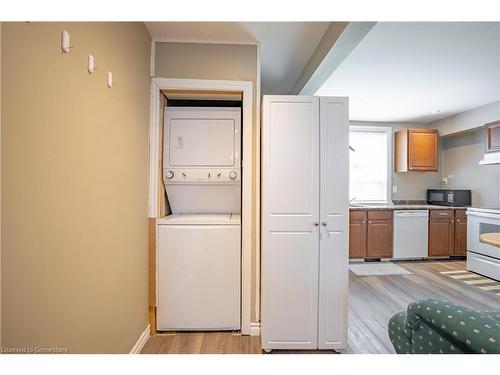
x: 462, y: 146
x: 461, y: 154
x: 411, y: 185
x: 468, y: 120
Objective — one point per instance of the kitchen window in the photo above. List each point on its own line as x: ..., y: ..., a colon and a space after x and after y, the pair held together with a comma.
x: 370, y: 164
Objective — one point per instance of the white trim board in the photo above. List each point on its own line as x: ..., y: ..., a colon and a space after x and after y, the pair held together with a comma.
x: 246, y: 87
x: 203, y: 41
x: 143, y: 339
x: 255, y: 329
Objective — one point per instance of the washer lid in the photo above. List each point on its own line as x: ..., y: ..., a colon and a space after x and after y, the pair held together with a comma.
x: 201, y: 219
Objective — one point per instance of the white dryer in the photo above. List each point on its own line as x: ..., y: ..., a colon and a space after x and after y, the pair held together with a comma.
x: 199, y: 244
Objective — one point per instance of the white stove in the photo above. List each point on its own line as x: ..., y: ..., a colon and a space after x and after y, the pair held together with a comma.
x: 483, y: 241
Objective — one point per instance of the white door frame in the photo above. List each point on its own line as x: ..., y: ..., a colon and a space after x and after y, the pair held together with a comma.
x: 158, y: 84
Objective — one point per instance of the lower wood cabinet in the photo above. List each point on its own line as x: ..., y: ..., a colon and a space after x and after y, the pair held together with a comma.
x: 357, y: 234
x: 370, y: 234
x: 447, y: 233
x: 460, y: 233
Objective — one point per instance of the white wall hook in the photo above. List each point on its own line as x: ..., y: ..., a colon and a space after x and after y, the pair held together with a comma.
x: 65, y: 47
x: 91, y: 64
x: 109, y: 79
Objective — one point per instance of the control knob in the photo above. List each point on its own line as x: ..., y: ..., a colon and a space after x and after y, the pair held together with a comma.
x: 169, y: 175
x: 232, y: 175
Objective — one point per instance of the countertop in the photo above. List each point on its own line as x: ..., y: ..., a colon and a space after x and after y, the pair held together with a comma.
x: 404, y: 207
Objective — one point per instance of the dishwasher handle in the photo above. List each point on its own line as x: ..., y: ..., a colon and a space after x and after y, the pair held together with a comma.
x: 411, y: 213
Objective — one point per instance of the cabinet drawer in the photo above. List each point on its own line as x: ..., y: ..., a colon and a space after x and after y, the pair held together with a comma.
x: 460, y: 214
x: 441, y: 214
x: 380, y: 214
x: 357, y: 215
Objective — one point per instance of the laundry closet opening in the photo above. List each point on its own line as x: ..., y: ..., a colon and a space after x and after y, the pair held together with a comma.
x: 199, y: 228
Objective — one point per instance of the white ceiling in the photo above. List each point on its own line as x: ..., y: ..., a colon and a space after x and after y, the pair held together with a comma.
x: 285, y: 47
x: 403, y: 71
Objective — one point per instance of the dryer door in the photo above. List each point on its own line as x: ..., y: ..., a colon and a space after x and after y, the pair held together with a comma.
x: 202, y: 137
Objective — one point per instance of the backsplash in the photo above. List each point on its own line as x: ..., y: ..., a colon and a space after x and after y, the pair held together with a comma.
x: 402, y: 201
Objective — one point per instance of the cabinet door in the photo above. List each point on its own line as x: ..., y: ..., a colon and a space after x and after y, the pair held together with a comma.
x: 334, y: 215
x: 357, y: 239
x: 379, y: 239
x: 422, y: 150
x: 493, y: 136
x: 290, y: 209
x: 441, y: 237
x: 460, y: 235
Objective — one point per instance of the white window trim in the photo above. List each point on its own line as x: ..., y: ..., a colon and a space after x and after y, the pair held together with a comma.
x: 388, y: 132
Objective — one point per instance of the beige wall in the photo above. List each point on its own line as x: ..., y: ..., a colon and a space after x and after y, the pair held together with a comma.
x: 461, y: 154
x: 222, y: 62
x: 411, y: 185
x: 74, y: 186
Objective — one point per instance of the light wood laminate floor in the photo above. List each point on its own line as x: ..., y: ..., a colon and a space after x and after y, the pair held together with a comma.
x: 372, y: 301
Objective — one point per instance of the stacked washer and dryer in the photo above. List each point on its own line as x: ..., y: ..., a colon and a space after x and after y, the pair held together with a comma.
x: 199, y: 243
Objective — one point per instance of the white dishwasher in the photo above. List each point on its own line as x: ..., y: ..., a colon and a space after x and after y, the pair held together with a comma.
x: 410, y: 234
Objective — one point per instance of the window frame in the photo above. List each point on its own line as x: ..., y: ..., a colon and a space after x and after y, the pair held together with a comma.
x: 388, y: 131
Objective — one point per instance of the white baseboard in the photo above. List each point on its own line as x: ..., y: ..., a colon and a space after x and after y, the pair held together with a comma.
x: 255, y: 329
x: 143, y: 339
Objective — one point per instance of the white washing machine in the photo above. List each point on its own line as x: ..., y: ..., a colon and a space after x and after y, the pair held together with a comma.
x: 199, y: 244
x: 199, y: 278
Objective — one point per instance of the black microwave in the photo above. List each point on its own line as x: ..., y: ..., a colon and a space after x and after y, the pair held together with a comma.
x: 456, y: 198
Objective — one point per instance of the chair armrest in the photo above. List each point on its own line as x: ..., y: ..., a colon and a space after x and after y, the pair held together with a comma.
x: 471, y: 330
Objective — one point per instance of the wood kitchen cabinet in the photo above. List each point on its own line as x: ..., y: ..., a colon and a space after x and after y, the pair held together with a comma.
x: 416, y: 150
x: 447, y: 233
x: 370, y: 234
x: 357, y: 234
x: 460, y: 233
x: 492, y: 136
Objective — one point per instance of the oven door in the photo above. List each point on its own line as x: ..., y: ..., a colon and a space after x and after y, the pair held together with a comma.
x: 483, y: 234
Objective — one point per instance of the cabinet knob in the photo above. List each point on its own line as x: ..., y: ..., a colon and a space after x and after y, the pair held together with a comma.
x: 369, y: 221
x: 364, y: 221
x: 452, y: 220
x: 458, y: 220
x: 323, y: 223
x: 316, y: 224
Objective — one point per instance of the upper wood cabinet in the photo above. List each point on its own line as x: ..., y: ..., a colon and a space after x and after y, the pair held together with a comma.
x: 492, y: 136
x: 416, y: 150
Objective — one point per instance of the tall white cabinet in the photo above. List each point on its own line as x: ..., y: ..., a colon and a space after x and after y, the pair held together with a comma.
x: 304, y: 222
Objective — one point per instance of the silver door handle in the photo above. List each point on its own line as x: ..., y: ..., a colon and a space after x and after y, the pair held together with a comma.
x: 323, y: 223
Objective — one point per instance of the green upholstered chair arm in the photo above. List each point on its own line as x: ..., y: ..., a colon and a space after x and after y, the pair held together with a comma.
x: 471, y: 331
